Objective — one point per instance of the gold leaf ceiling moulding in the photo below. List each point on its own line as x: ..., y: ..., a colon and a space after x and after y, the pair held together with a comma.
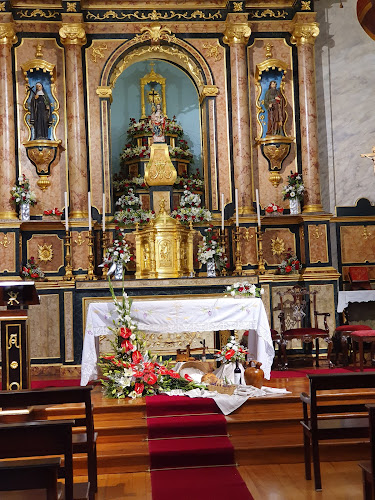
x: 154, y: 16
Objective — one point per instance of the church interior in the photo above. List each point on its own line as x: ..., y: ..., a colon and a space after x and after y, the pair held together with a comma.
x: 189, y: 153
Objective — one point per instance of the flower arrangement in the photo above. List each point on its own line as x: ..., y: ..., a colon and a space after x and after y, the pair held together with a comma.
x: 120, y: 184
x: 190, y: 209
x: 245, y: 289
x: 295, y: 188
x: 193, y: 182
x: 131, y: 370
x: 273, y: 209
x: 290, y: 263
x: 31, y: 270
x: 180, y: 152
x: 118, y: 252
x: 139, y: 152
x: 145, y: 127
x: 53, y: 211
x: 231, y: 351
x: 131, y: 210
x: 209, y: 248
x: 22, y: 193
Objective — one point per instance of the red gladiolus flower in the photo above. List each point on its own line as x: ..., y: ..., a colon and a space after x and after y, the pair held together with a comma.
x: 139, y: 388
x: 229, y: 354
x: 188, y: 378
x: 150, y: 378
x: 125, y: 332
x: 137, y: 357
x: 288, y: 269
x: 127, y: 345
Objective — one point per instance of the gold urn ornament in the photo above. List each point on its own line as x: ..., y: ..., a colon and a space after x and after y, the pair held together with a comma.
x: 164, y: 248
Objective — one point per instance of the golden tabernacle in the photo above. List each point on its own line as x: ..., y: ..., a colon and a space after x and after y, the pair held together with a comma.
x: 164, y: 248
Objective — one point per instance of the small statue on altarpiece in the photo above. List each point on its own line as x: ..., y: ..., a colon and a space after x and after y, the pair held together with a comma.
x: 274, y: 104
x: 158, y: 124
x: 40, y: 112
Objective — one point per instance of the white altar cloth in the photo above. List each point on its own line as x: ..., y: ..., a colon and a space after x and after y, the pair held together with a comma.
x: 179, y: 316
x: 354, y: 296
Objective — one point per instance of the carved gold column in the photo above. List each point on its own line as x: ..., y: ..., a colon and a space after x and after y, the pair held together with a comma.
x: 304, y: 34
x: 73, y: 36
x: 236, y: 35
x: 7, y: 130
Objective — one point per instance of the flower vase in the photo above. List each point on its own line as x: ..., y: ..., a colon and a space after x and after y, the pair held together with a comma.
x: 25, y: 211
x: 295, y: 206
x: 211, y: 268
x: 119, y: 271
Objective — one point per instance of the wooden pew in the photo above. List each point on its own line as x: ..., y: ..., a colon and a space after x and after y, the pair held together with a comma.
x: 31, y: 439
x: 368, y: 468
x: 34, y: 474
x: 83, y: 442
x: 340, y: 421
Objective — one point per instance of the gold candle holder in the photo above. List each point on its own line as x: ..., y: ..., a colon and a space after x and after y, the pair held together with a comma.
x: 68, y: 276
x: 237, y: 238
x: 90, y: 269
x: 105, y: 239
x: 261, y: 267
x: 222, y: 243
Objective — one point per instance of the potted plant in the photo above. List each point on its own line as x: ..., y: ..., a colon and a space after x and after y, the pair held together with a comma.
x: 23, y: 197
x: 211, y: 253
x: 294, y: 192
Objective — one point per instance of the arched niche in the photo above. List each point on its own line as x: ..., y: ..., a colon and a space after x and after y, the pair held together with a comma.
x: 185, y: 57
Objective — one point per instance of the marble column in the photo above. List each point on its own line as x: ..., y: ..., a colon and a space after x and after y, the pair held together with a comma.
x: 303, y: 37
x: 73, y: 36
x: 7, y: 129
x: 236, y: 35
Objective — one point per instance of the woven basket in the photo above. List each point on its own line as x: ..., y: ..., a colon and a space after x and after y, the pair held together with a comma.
x: 222, y: 389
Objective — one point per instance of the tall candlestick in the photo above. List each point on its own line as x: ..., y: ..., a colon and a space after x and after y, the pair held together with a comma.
x: 258, y: 206
x: 66, y: 211
x: 103, y: 215
x: 89, y: 210
x: 236, y: 206
x: 222, y: 211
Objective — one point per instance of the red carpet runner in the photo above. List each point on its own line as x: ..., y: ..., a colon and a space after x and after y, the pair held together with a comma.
x: 191, y: 456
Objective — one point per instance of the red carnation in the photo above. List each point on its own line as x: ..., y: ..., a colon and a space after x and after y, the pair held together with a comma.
x: 288, y: 269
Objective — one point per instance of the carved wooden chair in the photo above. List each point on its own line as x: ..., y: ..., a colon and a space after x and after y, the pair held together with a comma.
x: 295, y: 305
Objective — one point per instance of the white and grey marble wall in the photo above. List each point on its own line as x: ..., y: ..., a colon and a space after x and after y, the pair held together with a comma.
x: 345, y: 73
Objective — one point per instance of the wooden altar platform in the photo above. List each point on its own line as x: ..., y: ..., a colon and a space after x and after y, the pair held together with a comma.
x: 263, y: 431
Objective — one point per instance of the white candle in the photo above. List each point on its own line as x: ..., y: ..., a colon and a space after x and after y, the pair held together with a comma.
x: 258, y: 206
x: 222, y: 211
x: 66, y: 211
x: 89, y: 210
x: 103, y: 216
x: 236, y: 206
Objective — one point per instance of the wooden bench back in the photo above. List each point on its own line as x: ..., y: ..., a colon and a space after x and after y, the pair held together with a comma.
x: 339, y: 381
x: 53, y: 396
x: 40, y: 438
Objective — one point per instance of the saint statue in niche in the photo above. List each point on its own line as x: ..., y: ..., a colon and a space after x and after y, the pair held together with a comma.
x: 274, y: 104
x: 40, y: 112
x: 158, y: 124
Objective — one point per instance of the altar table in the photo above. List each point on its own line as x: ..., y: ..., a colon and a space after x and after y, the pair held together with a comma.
x: 354, y: 296
x: 179, y: 316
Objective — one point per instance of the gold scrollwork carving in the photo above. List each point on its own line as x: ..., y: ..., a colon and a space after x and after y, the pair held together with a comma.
x: 154, y: 15
x: 237, y: 33
x: 71, y: 6
x: 2, y: 6
x: 305, y: 5
x: 246, y: 235
x: 14, y: 365
x: 72, y: 34
x: 7, y: 34
x: 276, y: 14
x: 12, y: 300
x: 45, y: 252
x: 155, y: 33
x: 173, y: 53
x: 98, y: 52
x: 213, y: 50
x: 47, y: 14
x: 277, y: 246
x: 365, y: 233
x: 304, y: 33
x: 104, y: 92
x: 5, y: 241
x: 209, y: 91
x: 13, y: 341
x: 79, y: 241
x: 237, y: 6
